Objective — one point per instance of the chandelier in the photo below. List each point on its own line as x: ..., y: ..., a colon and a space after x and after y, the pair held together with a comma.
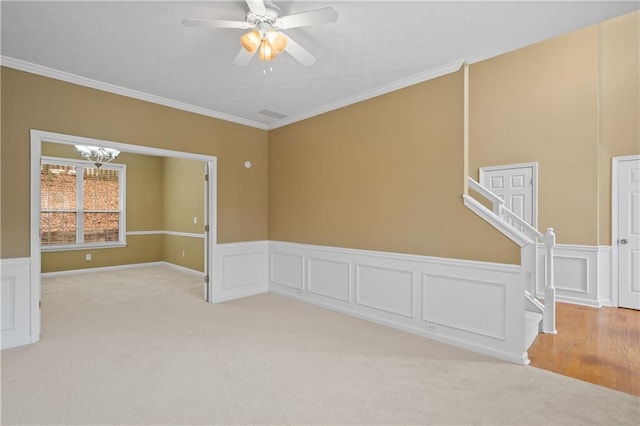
x: 97, y: 154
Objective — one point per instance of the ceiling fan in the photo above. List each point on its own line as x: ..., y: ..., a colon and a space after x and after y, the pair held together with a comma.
x: 265, y: 22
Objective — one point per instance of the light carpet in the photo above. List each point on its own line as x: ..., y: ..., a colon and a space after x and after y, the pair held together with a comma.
x: 140, y: 346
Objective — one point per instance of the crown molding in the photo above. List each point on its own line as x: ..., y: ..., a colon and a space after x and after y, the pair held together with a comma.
x: 123, y: 91
x: 420, y: 77
x: 32, y: 68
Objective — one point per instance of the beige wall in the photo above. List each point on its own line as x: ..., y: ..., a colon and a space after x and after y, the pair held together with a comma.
x: 571, y: 104
x: 34, y: 102
x: 384, y: 174
x: 619, y: 105
x: 183, y: 199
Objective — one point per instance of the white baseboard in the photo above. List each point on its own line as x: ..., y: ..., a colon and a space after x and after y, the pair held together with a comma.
x: 183, y: 269
x: 104, y: 269
x: 582, y: 274
x: 474, y: 305
x: 16, y: 301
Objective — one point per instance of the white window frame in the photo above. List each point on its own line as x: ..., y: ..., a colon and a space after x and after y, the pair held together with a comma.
x: 80, y: 165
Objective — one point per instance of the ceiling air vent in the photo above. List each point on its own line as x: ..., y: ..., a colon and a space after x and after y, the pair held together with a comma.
x: 272, y: 114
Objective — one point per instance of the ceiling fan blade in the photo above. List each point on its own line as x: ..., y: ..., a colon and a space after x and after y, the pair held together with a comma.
x: 325, y: 15
x: 215, y: 23
x: 243, y: 58
x: 257, y: 7
x: 300, y: 54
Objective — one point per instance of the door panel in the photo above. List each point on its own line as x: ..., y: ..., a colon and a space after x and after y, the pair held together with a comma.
x: 628, y: 238
x: 515, y: 185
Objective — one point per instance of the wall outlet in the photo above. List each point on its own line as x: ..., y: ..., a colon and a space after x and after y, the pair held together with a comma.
x: 431, y: 327
x: 195, y: 220
x: 299, y: 292
x: 87, y: 256
x: 183, y: 253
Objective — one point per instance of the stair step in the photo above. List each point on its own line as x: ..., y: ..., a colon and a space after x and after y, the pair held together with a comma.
x: 531, y: 326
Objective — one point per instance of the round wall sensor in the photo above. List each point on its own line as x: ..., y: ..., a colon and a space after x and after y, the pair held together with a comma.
x: 247, y: 164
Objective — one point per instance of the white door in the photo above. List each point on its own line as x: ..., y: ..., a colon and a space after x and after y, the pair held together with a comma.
x: 516, y: 185
x: 628, y: 238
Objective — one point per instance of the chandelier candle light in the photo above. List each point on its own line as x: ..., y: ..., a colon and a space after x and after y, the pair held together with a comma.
x: 97, y: 154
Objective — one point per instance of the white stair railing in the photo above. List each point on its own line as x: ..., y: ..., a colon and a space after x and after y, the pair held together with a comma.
x: 524, y: 235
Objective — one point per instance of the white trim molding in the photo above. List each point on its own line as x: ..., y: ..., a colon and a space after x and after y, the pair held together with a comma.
x: 120, y: 268
x: 163, y: 232
x: 582, y: 274
x: 123, y: 91
x: 478, y: 306
x: 16, y: 300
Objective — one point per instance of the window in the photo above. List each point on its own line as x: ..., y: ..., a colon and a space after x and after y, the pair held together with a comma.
x: 81, y: 204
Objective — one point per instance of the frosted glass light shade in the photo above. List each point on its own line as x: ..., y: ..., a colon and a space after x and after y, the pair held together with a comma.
x: 278, y: 41
x: 266, y: 51
x: 251, y: 41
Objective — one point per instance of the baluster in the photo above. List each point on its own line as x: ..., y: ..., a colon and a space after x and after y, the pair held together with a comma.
x: 549, y: 320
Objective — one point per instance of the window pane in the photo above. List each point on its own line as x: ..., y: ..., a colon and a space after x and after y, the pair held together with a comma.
x: 101, y: 189
x: 57, y: 228
x: 101, y: 227
x: 57, y: 187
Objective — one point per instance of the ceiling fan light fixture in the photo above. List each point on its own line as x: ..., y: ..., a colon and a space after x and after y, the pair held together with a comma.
x: 266, y: 51
x: 251, y: 41
x: 277, y: 40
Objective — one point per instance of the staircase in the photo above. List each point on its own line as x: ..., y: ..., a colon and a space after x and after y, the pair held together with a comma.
x: 539, y: 314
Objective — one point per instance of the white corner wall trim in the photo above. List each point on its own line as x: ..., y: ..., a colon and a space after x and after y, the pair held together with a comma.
x: 16, y: 300
x: 582, y: 274
x: 372, y: 93
x: 474, y: 305
x: 32, y: 68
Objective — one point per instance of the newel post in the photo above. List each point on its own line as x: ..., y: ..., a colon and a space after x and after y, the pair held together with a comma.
x: 549, y: 320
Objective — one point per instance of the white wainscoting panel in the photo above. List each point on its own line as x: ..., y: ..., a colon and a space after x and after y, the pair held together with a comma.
x: 16, y: 302
x: 286, y: 269
x: 241, y: 269
x: 582, y: 274
x: 474, y: 305
x: 483, y: 313
x: 329, y: 278
x: 389, y: 290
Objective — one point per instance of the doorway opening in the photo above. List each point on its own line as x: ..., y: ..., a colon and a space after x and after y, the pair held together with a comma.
x: 209, y: 238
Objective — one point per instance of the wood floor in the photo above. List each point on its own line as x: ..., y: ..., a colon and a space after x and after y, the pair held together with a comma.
x: 600, y: 346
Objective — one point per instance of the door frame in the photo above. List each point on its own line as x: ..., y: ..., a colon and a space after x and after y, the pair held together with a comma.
x: 39, y: 136
x: 534, y: 177
x: 615, y: 282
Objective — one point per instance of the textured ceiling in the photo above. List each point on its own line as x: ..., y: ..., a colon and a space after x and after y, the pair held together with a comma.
x: 144, y: 47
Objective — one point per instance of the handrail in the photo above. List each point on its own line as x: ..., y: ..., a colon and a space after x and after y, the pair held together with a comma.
x: 525, y: 226
x: 475, y: 185
x: 501, y: 210
x: 523, y: 233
